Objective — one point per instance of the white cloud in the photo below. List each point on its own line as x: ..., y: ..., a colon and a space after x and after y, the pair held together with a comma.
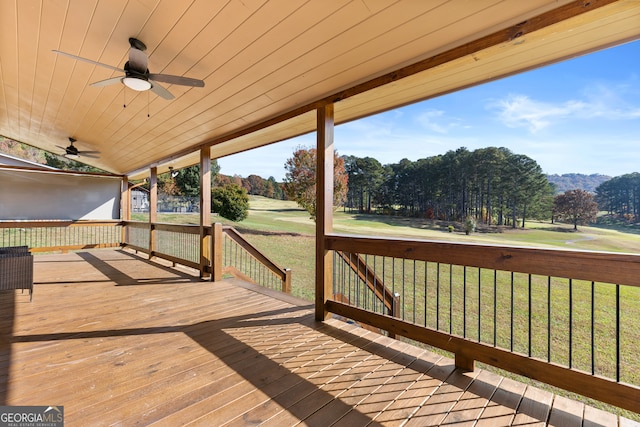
x: 521, y: 111
x: 437, y: 121
x: 600, y: 102
x: 609, y: 103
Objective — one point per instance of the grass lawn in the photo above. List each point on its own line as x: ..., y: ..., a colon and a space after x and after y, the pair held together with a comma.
x: 285, y: 233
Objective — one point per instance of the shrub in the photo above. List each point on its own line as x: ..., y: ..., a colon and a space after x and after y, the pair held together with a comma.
x: 469, y: 225
x: 230, y: 201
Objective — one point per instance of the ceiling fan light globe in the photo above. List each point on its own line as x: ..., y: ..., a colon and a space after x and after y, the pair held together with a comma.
x: 71, y: 156
x: 136, y: 83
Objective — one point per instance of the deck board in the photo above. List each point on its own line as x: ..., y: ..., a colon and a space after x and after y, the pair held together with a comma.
x: 119, y: 340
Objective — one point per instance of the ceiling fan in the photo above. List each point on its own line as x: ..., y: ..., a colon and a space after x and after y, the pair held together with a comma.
x: 137, y: 75
x: 72, y: 152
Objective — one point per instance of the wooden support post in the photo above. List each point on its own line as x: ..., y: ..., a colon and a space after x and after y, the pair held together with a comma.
x: 464, y: 362
x: 286, y: 284
x: 205, y: 209
x: 153, y: 209
x: 324, y: 209
x: 217, y: 238
x: 125, y: 208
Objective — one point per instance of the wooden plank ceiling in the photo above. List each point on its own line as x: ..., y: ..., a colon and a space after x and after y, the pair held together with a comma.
x: 264, y: 62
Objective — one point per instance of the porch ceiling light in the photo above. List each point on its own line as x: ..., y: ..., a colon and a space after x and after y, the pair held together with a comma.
x: 136, y: 83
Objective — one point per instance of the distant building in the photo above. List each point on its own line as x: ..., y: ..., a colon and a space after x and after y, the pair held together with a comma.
x: 139, y: 200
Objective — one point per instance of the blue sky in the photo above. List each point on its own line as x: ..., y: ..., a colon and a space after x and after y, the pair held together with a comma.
x: 578, y: 116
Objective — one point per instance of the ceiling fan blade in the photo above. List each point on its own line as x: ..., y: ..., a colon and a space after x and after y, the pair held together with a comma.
x: 85, y: 154
x: 160, y: 91
x: 79, y: 58
x: 138, y: 60
x: 176, y: 80
x: 107, y: 82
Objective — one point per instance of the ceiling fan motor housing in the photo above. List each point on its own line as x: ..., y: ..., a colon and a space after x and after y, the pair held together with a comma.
x: 136, y: 80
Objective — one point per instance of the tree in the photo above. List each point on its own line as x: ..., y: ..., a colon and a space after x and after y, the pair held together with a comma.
x: 365, y: 176
x: 275, y: 190
x: 231, y: 202
x: 167, y: 185
x: 255, y: 184
x: 59, y: 162
x: 300, y: 179
x: 575, y: 206
x: 621, y: 196
x: 188, y: 179
x: 529, y: 185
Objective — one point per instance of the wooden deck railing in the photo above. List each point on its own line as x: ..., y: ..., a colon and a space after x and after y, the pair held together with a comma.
x: 566, y: 318
x: 176, y: 243
x: 232, y: 253
x: 373, y: 284
x: 239, y: 258
x: 50, y: 236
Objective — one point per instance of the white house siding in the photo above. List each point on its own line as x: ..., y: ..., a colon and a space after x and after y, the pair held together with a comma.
x: 31, y: 195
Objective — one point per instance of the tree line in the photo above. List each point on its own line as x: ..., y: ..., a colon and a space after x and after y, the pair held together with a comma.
x: 254, y: 185
x: 491, y: 185
x: 620, y: 196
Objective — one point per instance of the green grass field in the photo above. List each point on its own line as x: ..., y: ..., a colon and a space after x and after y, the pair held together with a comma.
x: 285, y: 233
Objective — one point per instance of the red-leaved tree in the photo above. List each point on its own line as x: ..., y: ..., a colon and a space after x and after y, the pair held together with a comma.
x: 300, y: 179
x: 576, y: 207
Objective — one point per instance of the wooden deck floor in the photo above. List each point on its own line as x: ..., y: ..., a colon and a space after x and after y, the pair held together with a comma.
x: 118, y: 340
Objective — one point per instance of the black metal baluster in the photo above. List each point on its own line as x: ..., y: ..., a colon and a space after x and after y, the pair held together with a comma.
x: 415, y: 304
x: 384, y: 279
x: 570, y: 323
x: 617, y: 333
x: 350, y: 275
x: 403, y: 287
x: 593, y: 329
x: 450, y: 298
x: 366, y: 281
x: 530, y: 316
x: 479, y: 305
x: 438, y: 296
x: 548, y: 318
x: 426, y: 269
x: 512, y: 306
x: 393, y: 278
x: 464, y: 301
x: 495, y: 308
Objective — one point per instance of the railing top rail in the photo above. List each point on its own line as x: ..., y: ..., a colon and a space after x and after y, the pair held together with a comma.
x: 137, y: 224
x: 57, y: 223
x: 233, y: 234
x: 606, y: 267
x: 187, y: 228
x: 179, y: 228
